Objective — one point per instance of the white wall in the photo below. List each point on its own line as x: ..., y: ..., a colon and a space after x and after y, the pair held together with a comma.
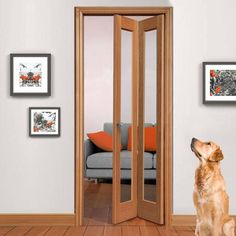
x: 203, y: 31
x: 36, y: 175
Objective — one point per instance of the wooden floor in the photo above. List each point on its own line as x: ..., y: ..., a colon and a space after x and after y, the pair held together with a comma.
x: 119, y: 230
x: 98, y: 202
x: 98, y: 221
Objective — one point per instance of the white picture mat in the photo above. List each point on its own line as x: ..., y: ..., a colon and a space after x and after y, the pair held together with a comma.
x: 44, y: 110
x: 208, y: 68
x: 16, y: 69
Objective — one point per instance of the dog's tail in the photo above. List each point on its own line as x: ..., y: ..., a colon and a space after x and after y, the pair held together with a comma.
x: 228, y: 227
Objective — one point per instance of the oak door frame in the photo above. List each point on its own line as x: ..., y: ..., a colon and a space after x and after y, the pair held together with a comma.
x: 80, y: 12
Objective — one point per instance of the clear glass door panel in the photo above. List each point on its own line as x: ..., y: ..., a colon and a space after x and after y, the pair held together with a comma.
x: 150, y: 123
x: 126, y: 115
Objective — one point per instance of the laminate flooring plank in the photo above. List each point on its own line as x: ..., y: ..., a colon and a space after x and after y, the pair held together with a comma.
x: 149, y: 231
x: 94, y: 231
x: 130, y: 230
x: 5, y: 229
x: 38, y: 231
x: 184, y: 231
x: 166, y: 232
x: 76, y: 231
x: 19, y: 231
x: 112, y: 231
x: 57, y: 231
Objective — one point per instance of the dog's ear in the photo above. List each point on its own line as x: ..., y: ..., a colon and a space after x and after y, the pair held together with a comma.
x: 217, y: 155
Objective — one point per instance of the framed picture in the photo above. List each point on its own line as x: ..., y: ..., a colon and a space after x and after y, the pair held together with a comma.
x: 30, y: 74
x: 219, y: 82
x: 44, y: 121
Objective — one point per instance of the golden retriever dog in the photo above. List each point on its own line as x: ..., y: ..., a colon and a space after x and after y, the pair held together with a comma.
x: 210, y: 198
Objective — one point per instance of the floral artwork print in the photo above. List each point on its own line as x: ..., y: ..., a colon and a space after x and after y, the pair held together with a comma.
x: 222, y: 82
x: 30, y: 75
x: 44, y: 122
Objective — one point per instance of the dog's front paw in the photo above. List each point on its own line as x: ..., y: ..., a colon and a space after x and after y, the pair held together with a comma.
x: 197, y: 232
x: 197, y: 229
x: 228, y: 227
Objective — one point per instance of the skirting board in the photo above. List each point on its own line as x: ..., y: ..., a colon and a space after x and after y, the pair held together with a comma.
x: 69, y: 219
x: 37, y: 219
x: 186, y: 220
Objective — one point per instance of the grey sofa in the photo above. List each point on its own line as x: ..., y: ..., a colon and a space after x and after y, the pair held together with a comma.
x: 98, y: 163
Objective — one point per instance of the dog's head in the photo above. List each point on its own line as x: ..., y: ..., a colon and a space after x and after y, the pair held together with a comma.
x: 206, y: 151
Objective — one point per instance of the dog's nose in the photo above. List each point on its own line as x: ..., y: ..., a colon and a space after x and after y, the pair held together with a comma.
x: 192, y: 143
x: 194, y: 140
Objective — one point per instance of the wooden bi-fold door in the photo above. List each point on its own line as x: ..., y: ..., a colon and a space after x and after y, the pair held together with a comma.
x: 134, y: 80
x: 124, y: 204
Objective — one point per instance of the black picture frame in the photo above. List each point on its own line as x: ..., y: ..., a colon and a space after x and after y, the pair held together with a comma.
x: 207, y: 88
x: 57, y: 134
x: 28, y: 55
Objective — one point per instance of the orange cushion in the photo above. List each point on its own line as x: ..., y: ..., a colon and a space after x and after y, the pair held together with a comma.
x: 102, y: 140
x: 129, y: 138
x: 149, y: 139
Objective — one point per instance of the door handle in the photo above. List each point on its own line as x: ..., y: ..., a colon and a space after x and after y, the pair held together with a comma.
x: 119, y: 124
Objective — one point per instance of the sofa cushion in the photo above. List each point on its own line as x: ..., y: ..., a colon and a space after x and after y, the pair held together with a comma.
x: 101, y: 139
x: 103, y: 160
x: 124, y: 132
x: 149, y: 138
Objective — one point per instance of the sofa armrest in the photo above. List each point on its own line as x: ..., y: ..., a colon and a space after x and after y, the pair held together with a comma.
x: 89, y: 148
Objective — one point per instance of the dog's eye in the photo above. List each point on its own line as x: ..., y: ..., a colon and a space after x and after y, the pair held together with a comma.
x: 209, y: 143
